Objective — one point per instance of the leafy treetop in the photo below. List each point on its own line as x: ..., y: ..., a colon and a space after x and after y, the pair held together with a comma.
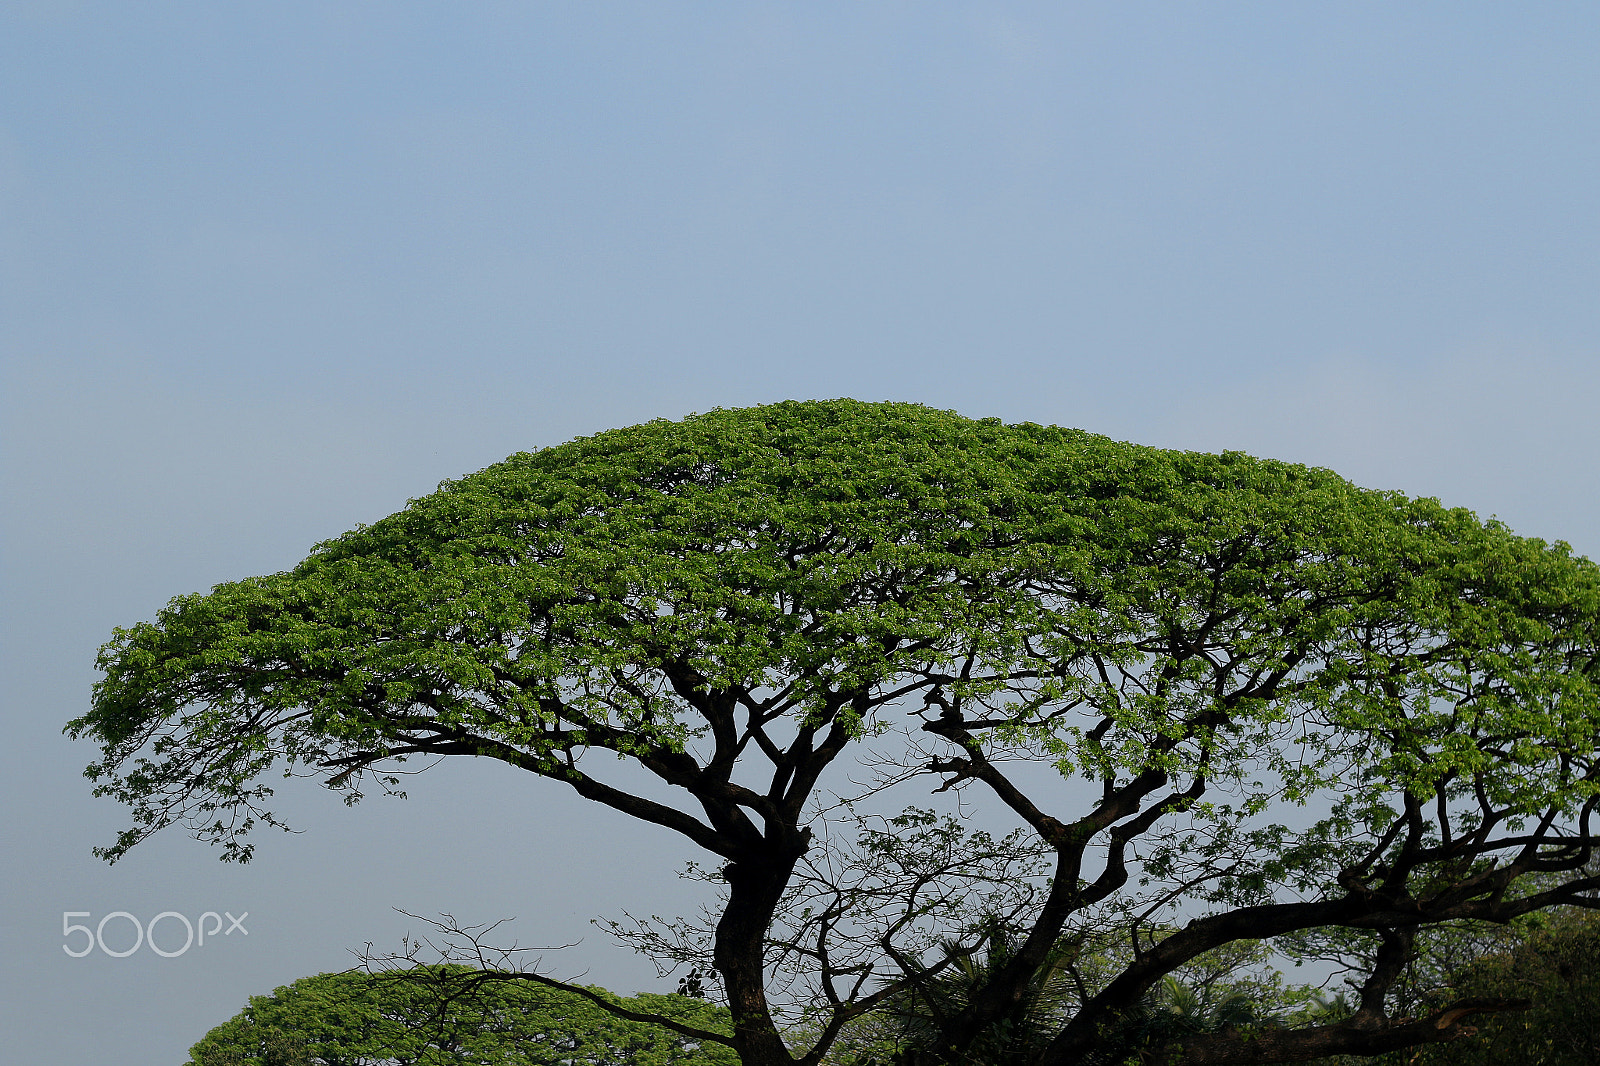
x: 367, y: 1019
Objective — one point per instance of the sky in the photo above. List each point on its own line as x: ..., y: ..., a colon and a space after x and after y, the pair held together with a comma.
x: 269, y: 271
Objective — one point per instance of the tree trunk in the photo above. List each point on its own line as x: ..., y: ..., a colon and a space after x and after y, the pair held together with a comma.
x: 755, y: 886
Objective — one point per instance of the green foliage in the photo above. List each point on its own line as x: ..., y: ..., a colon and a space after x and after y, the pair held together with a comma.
x: 414, y: 1019
x: 1557, y: 967
x: 821, y: 549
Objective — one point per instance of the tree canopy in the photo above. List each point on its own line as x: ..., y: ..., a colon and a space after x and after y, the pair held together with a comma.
x: 370, y: 1019
x: 1270, y: 705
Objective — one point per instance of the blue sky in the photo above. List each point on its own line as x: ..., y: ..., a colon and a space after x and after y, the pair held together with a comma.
x: 268, y: 271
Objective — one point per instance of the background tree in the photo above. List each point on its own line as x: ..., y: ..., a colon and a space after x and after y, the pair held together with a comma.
x: 1273, y: 702
x: 398, y: 1019
x: 1555, y: 965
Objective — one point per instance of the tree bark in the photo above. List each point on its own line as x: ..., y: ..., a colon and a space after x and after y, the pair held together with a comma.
x: 755, y: 885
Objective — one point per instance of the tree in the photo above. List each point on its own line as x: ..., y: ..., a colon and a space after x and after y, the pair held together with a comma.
x: 1556, y: 966
x: 1266, y: 702
x: 366, y: 1019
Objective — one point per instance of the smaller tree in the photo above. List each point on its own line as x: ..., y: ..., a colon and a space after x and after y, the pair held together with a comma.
x: 447, y: 1015
x: 1557, y: 968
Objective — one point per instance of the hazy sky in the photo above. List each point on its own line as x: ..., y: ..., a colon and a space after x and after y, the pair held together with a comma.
x: 269, y: 270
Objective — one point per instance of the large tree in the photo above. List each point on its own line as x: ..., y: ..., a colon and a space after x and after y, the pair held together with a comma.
x: 1267, y: 703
